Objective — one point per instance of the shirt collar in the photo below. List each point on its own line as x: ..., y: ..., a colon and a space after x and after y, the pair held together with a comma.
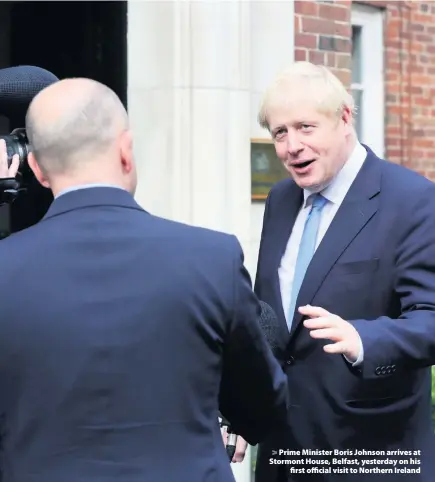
x: 86, y: 186
x: 337, y: 189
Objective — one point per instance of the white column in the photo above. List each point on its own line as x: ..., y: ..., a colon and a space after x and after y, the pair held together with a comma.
x: 150, y: 104
x: 272, y: 49
x: 189, y: 104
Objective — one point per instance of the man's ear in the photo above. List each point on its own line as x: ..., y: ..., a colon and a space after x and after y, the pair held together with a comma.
x: 126, y: 148
x: 37, y: 171
x: 347, y: 117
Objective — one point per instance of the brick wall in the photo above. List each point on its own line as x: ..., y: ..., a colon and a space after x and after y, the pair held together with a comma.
x: 323, y: 35
x: 410, y: 84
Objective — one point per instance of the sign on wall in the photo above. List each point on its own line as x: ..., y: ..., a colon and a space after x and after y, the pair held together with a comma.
x: 266, y: 168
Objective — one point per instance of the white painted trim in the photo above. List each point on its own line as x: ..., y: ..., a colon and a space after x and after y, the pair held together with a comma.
x: 371, y: 19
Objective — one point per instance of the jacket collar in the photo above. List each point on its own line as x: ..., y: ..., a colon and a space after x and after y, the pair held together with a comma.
x: 91, y: 197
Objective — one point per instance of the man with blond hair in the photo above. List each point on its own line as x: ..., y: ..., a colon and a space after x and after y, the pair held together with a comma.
x: 347, y: 260
x: 122, y: 334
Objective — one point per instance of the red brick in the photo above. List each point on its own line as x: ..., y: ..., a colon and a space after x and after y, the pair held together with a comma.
x: 393, y: 131
x: 308, y: 41
x: 316, y: 57
x: 394, y: 142
x: 393, y: 28
x: 300, y: 54
x: 306, y: 8
x: 418, y: 18
x: 393, y: 65
x: 337, y: 13
x: 297, y: 24
x: 318, y: 25
x: 343, y: 29
x: 416, y: 27
x: 331, y: 59
x: 393, y: 44
x: 416, y: 89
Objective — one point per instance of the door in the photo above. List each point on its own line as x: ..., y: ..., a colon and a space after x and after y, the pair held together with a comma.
x: 70, y: 39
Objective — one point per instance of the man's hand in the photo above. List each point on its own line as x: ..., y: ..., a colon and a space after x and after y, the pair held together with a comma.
x: 5, y: 170
x: 325, y: 325
x: 241, y: 447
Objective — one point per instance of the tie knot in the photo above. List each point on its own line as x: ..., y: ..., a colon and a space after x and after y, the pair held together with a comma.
x: 318, y: 201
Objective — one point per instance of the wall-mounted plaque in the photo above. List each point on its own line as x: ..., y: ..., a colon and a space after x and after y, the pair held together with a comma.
x: 266, y: 168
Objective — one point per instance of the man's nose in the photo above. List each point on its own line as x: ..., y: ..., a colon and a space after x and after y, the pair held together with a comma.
x: 294, y: 145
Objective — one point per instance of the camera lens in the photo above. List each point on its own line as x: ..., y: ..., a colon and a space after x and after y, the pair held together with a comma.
x: 17, y: 143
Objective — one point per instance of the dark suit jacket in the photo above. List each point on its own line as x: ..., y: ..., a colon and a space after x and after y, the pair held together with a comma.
x: 376, y: 268
x: 119, y: 332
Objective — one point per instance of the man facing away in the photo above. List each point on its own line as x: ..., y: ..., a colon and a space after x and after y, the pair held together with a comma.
x: 347, y: 260
x: 122, y: 334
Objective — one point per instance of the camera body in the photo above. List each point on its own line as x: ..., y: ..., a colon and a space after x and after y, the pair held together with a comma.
x: 17, y: 143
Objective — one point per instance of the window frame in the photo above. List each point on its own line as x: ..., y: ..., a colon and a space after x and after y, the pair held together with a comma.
x: 371, y: 22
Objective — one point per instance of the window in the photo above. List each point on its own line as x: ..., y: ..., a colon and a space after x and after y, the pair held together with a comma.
x: 357, y: 86
x: 367, y: 75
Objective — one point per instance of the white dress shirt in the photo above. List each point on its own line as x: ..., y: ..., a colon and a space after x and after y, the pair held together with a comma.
x: 334, y: 193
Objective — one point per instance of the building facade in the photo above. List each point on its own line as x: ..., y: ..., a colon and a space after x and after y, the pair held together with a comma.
x: 385, y: 52
x: 196, y: 71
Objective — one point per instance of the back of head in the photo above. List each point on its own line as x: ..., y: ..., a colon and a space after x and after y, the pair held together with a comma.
x: 78, y: 131
x: 306, y: 82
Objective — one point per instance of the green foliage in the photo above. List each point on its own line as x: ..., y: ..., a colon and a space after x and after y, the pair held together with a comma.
x: 253, y: 460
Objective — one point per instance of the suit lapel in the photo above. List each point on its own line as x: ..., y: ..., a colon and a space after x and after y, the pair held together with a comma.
x: 358, y: 207
x: 287, y: 210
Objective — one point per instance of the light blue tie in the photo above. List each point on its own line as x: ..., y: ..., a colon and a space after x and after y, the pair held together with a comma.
x: 306, y: 251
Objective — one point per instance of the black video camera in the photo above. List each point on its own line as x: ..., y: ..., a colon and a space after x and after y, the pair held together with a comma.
x: 18, y: 86
x: 16, y: 143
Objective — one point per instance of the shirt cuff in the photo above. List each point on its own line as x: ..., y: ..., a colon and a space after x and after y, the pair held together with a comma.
x: 360, y: 358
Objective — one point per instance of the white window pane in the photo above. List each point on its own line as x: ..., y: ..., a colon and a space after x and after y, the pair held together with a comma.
x: 357, y: 95
x: 356, y: 55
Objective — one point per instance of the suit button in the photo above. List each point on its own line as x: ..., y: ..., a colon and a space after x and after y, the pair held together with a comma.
x: 290, y: 361
x: 378, y: 371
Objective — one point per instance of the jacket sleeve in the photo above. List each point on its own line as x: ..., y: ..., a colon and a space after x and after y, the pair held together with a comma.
x: 407, y: 342
x: 254, y: 395
x: 257, y: 286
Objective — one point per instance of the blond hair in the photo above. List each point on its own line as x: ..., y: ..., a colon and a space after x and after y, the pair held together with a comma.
x: 304, y: 79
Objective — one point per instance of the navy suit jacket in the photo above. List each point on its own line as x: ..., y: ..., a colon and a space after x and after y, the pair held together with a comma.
x: 121, y: 336
x: 375, y: 267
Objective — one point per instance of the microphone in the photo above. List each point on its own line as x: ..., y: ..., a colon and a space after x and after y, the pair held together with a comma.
x: 231, y: 441
x: 19, y: 85
x: 270, y: 327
